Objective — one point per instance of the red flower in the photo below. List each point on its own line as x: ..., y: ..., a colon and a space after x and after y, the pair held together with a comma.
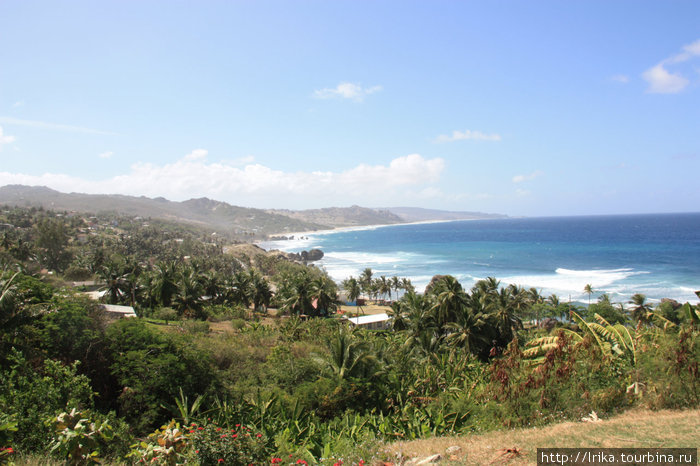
x: 238, y: 425
x: 234, y: 435
x: 220, y: 460
x: 337, y: 463
x: 193, y: 424
x: 276, y: 460
x: 191, y: 432
x: 302, y: 462
x: 218, y: 429
x: 223, y: 436
x: 361, y: 463
x: 200, y: 428
x: 258, y: 435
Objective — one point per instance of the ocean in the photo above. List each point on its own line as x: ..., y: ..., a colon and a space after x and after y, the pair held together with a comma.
x: 657, y: 255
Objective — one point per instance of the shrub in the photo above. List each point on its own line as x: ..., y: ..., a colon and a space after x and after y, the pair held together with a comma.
x: 195, y: 326
x: 32, y: 396
x: 76, y: 273
x: 235, y: 446
x: 166, y: 446
x: 77, y: 439
x: 166, y: 313
x: 573, y: 380
x: 237, y: 324
x: 670, y: 368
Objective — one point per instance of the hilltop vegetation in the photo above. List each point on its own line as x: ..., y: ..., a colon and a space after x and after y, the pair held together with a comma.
x: 246, y: 360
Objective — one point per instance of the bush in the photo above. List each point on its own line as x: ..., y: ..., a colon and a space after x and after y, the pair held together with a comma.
x: 195, y: 326
x: 31, y: 397
x: 235, y: 446
x: 78, y: 274
x: 79, y: 440
x: 166, y: 313
x: 670, y: 369
x: 151, y: 367
x: 237, y: 324
x: 572, y: 381
x: 218, y: 312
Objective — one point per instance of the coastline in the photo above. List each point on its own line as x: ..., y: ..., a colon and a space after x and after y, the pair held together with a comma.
x: 361, y: 228
x: 533, y: 253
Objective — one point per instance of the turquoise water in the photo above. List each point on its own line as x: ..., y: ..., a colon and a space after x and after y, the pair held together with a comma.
x: 658, y: 255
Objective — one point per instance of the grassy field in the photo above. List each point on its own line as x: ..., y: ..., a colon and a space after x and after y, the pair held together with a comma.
x: 369, y: 309
x: 637, y: 428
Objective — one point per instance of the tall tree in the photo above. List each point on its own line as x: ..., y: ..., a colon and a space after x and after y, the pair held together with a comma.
x: 588, y: 289
x: 641, y: 310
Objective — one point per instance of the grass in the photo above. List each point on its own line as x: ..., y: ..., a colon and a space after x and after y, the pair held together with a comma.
x: 636, y: 428
x: 368, y: 309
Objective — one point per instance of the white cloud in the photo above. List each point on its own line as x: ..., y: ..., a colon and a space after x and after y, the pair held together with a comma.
x: 5, y: 139
x: 468, y: 134
x: 106, y: 155
x: 663, y: 81
x: 346, y: 90
x: 18, y: 104
x: 531, y: 176
x: 52, y: 126
x: 689, y: 51
x: 620, y: 78
x: 256, y: 185
x: 197, y: 154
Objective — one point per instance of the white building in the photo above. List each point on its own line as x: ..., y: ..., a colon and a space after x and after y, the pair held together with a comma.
x: 371, y: 322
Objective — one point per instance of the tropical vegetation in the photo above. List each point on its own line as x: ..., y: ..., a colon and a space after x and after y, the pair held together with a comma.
x: 248, y: 360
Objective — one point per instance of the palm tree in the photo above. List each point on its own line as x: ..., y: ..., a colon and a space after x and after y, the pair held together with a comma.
x: 353, y: 290
x: 261, y: 294
x: 297, y: 295
x: 188, y: 299
x: 238, y: 289
x: 503, y: 311
x: 114, y: 286
x: 396, y: 285
x: 384, y: 287
x: 407, y: 286
x: 641, y: 309
x: 164, y: 283
x: 348, y: 357
x: 450, y: 300
x: 469, y: 331
x: 365, y: 281
x: 588, y: 289
x: 324, y: 295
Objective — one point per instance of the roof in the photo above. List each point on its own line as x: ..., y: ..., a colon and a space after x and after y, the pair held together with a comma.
x: 125, y: 311
x: 370, y: 319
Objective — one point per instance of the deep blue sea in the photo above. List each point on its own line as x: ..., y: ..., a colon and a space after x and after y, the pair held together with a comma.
x: 657, y: 255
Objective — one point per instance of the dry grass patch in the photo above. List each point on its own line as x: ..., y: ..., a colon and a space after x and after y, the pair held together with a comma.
x: 368, y: 309
x: 637, y: 428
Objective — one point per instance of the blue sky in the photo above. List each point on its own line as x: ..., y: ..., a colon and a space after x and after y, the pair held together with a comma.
x: 521, y: 108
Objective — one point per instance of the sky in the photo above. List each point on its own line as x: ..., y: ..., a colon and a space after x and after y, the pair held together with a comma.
x: 513, y: 107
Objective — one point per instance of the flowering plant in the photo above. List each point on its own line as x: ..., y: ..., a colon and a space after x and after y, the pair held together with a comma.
x: 235, y: 446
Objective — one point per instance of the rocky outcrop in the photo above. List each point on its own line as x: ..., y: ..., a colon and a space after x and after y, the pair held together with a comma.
x: 306, y: 256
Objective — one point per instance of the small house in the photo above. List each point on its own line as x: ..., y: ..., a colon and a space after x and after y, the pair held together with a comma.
x: 371, y: 322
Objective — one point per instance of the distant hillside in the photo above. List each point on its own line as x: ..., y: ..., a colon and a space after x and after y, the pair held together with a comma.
x: 417, y: 214
x: 242, y: 222
x: 343, y: 216
x: 203, y: 212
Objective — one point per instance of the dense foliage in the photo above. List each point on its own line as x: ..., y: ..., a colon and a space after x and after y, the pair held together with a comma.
x: 208, y: 374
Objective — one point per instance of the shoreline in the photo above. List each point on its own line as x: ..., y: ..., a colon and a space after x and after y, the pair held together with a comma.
x: 361, y: 228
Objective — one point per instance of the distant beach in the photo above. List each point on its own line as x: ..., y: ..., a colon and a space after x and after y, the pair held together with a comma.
x: 657, y: 255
